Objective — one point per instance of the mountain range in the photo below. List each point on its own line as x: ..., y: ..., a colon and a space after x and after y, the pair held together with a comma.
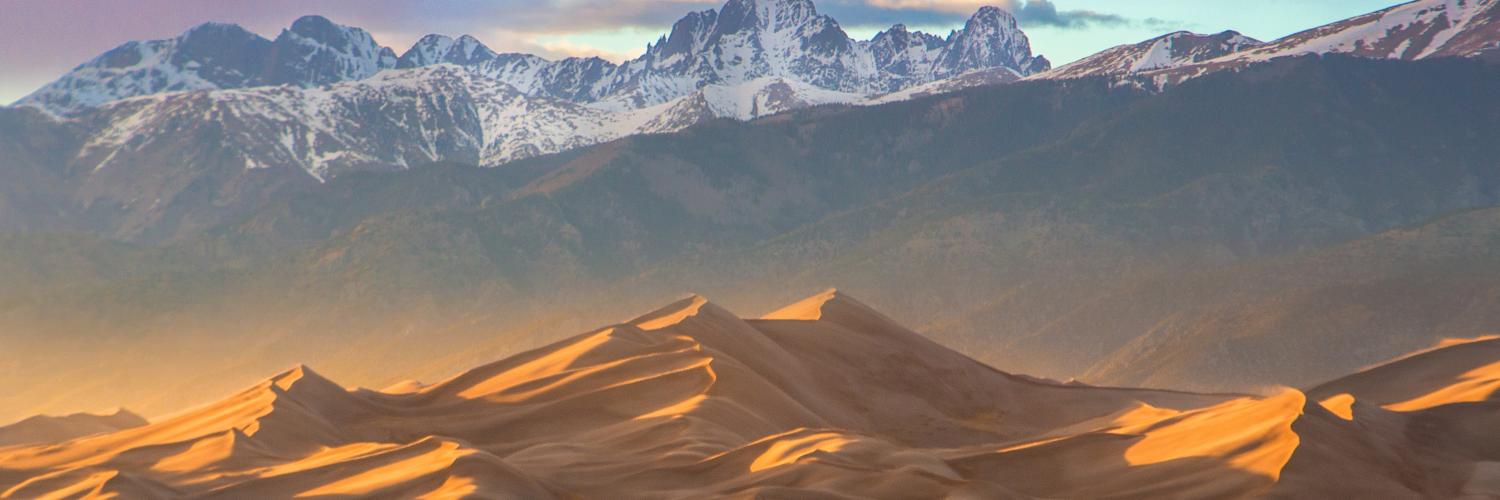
x: 1409, y: 31
x: 220, y: 112
x: 1122, y: 229
x: 245, y: 114
x: 745, y: 42
x: 1294, y: 217
x: 297, y: 102
x: 821, y: 398
x: 153, y: 128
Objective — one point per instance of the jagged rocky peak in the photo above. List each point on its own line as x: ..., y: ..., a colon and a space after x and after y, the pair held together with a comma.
x: 991, y: 38
x: 770, y: 25
x: 428, y: 51
x: 576, y: 78
x: 438, y: 49
x: 469, y: 50
x: 900, y: 37
x: 766, y: 15
x: 317, y: 51
x: 341, y: 38
x: 216, y: 38
x: 750, y: 39
x: 689, y: 34
x: 225, y: 55
x: 742, y: 41
x: 901, y: 51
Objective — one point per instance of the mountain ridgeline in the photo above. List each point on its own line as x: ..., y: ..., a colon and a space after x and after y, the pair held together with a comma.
x: 739, y: 43
x: 1269, y: 225
x: 146, y: 134
x: 166, y: 139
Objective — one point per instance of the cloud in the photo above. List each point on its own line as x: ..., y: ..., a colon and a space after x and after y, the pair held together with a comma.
x: 1045, y: 13
x: 1027, y: 12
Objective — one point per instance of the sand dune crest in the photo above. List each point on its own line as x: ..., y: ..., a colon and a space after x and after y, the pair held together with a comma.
x: 824, y: 397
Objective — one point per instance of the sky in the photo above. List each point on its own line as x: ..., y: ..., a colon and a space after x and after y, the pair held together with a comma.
x: 42, y: 39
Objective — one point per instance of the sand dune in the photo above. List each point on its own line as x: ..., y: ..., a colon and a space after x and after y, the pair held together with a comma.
x: 1455, y: 371
x: 824, y: 398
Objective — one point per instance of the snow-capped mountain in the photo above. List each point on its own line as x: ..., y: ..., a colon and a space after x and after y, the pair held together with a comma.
x: 429, y: 114
x: 1419, y: 29
x: 1167, y: 51
x: 745, y: 101
x: 899, y: 51
x: 196, y: 159
x: 977, y: 78
x: 439, y: 49
x: 743, y: 42
x: 991, y: 39
x: 749, y: 40
x: 313, y: 51
x: 209, y: 56
x: 1415, y: 30
x: 328, y: 99
x: 435, y: 113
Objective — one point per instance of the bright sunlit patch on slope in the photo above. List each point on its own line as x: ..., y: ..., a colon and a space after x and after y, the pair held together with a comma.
x: 790, y: 450
x: 1253, y: 435
x: 1341, y: 405
x: 1479, y: 384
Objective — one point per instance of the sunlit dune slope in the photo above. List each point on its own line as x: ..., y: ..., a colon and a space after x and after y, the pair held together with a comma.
x: 1441, y: 403
x: 1455, y: 371
x: 824, y: 398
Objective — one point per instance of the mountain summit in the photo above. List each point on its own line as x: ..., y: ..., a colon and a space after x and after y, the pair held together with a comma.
x: 441, y: 49
x: 316, y: 51
x: 1171, y: 50
x: 313, y: 51
x: 742, y: 42
x: 324, y: 99
x: 991, y: 39
x: 167, y: 138
x: 748, y: 40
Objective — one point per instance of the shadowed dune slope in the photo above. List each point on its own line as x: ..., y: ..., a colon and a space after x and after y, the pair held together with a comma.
x: 822, y: 398
x: 1445, y: 403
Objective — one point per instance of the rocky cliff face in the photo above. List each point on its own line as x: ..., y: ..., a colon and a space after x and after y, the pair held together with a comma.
x: 753, y: 39
x: 315, y: 51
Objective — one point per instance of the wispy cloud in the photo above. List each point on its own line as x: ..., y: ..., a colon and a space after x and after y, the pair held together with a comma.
x: 1044, y: 12
x: 1027, y: 12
